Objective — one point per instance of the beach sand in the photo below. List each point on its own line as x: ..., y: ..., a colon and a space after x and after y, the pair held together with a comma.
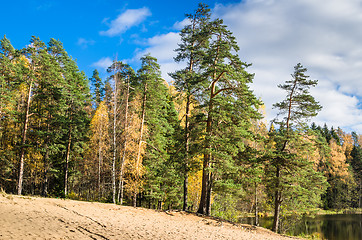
x: 23, y: 217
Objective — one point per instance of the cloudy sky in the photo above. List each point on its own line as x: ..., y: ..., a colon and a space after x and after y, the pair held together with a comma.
x: 273, y: 35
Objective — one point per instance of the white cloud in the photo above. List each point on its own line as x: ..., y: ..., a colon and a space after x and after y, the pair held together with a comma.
x: 126, y: 20
x: 103, y: 63
x: 338, y: 108
x: 274, y: 35
x: 161, y: 47
x: 182, y: 24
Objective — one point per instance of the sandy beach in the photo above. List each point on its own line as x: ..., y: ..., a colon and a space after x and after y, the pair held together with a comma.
x: 46, y: 218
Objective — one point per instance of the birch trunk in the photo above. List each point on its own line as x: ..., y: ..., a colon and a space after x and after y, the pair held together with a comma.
x: 99, y: 165
x: 114, y: 138
x: 120, y: 188
x: 23, y: 141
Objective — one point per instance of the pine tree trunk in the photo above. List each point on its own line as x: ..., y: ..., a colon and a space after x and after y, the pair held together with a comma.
x: 187, y: 136
x: 23, y: 141
x: 277, y: 202
x: 360, y: 188
x: 204, y: 206
x: 208, y: 196
x: 256, y: 205
x: 46, y: 167
x: 138, y: 162
x: 67, y: 162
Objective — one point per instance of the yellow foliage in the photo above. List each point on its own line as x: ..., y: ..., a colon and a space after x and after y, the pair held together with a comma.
x: 134, y: 170
x: 194, y: 186
x: 99, y: 128
x: 347, y: 144
x: 337, y: 162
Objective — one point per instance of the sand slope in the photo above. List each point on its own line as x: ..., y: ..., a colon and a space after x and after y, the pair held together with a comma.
x: 45, y: 218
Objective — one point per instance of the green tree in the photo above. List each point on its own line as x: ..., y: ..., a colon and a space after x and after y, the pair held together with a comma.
x: 76, y: 99
x: 11, y: 65
x: 34, y: 53
x: 227, y: 105
x: 160, y: 118
x: 290, y: 173
x: 193, y: 44
x: 357, y: 170
x: 98, y: 87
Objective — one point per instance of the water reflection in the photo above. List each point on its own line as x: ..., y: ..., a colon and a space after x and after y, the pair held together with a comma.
x: 331, y: 227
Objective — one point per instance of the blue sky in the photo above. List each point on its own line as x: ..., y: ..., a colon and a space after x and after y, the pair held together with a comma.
x: 274, y: 35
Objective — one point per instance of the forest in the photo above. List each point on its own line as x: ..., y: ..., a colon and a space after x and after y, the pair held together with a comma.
x: 201, y: 143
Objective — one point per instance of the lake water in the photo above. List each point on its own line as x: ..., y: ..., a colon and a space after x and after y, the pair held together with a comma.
x: 331, y: 227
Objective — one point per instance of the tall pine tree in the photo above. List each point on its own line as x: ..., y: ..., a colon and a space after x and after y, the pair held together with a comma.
x: 194, y: 40
x: 227, y: 106
x: 291, y: 174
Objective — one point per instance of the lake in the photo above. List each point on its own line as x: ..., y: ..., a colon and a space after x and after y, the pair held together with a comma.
x: 331, y: 227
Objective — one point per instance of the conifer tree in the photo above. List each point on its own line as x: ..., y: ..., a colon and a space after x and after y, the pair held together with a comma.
x: 193, y: 44
x: 289, y: 140
x: 34, y: 52
x: 227, y: 104
x: 98, y: 87
x: 76, y: 98
x: 159, y: 116
x: 11, y: 65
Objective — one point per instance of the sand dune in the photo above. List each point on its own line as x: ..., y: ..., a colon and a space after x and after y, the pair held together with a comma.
x: 45, y: 218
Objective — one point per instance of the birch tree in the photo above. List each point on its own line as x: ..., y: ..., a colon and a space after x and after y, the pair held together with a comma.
x: 100, y: 139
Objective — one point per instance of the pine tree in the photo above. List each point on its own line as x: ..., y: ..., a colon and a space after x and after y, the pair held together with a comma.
x: 11, y: 65
x: 227, y: 104
x: 194, y: 39
x: 98, y: 87
x: 159, y: 116
x: 34, y: 52
x: 76, y: 99
x: 295, y: 109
